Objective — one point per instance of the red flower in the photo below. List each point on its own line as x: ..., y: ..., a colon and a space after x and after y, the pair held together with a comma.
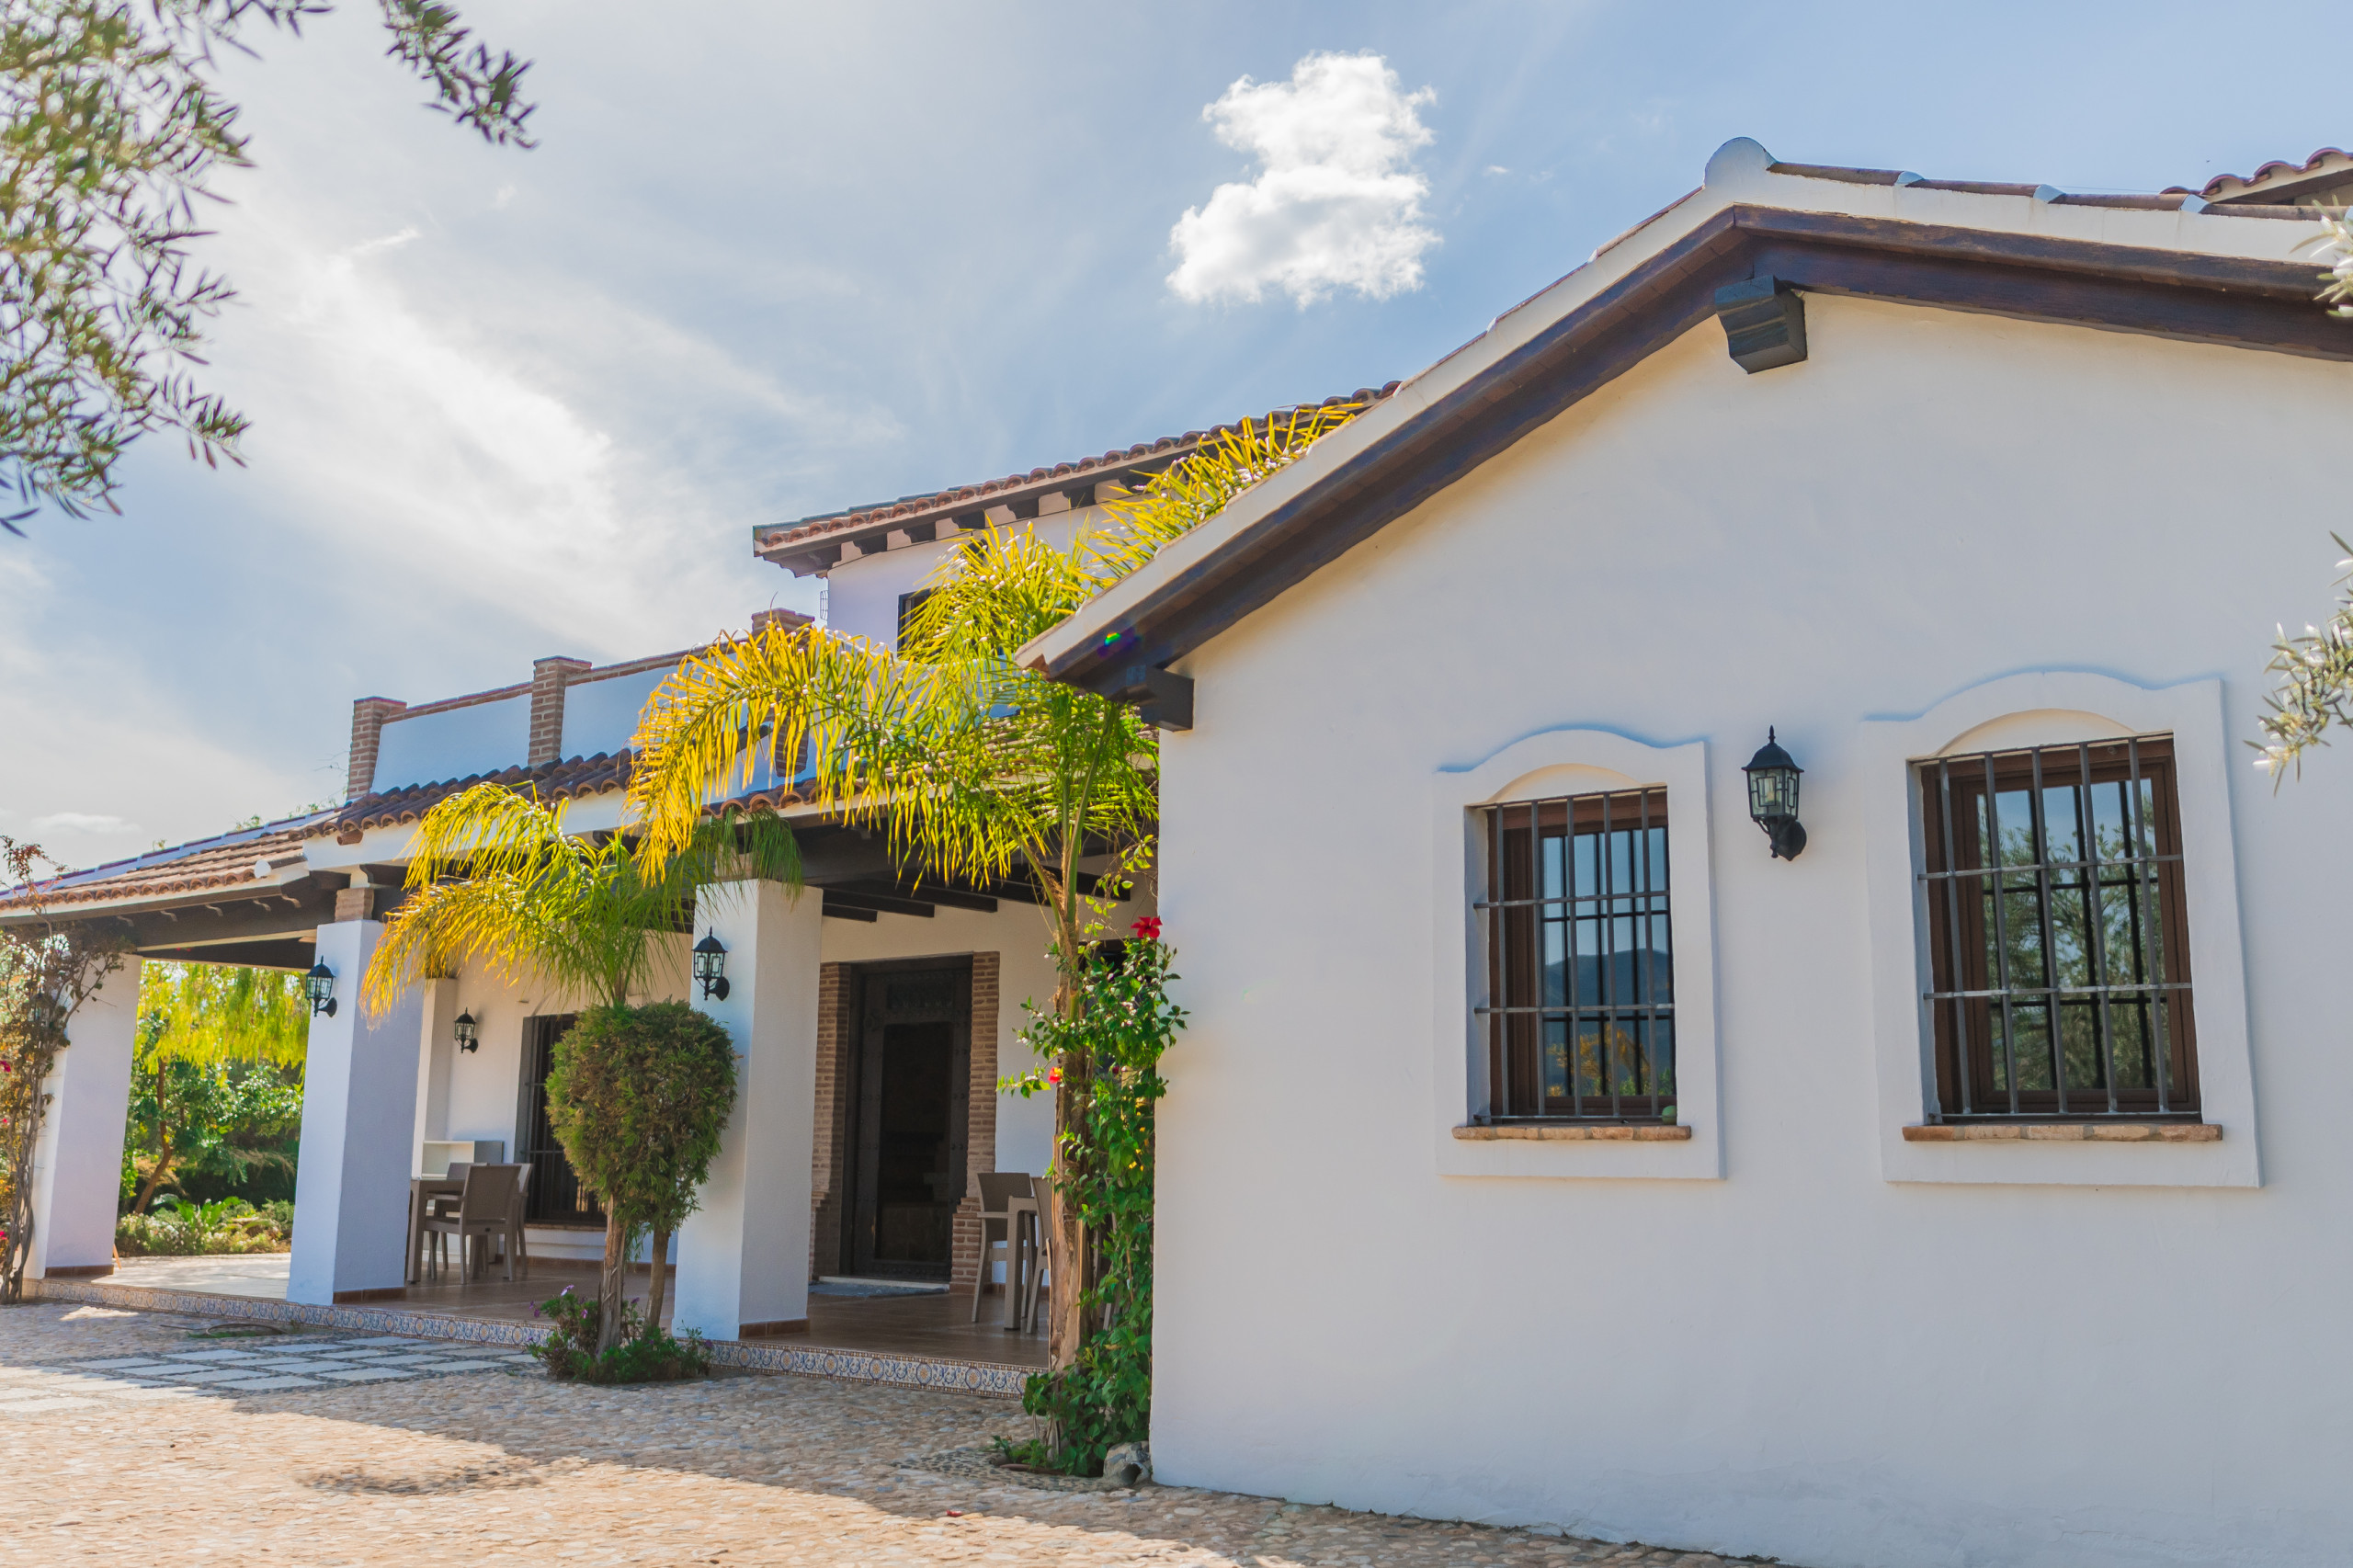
x: 1148, y: 928
x: 1054, y: 1075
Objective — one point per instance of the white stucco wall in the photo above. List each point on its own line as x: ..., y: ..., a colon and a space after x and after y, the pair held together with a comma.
x: 1803, y: 1358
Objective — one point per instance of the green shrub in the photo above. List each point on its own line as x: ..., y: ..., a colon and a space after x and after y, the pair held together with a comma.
x: 177, y: 1228
x: 1110, y: 1044
x: 642, y: 1355
x: 638, y: 1097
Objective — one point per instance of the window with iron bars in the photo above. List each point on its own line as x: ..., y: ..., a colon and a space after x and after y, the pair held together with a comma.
x: 2059, y: 954
x: 1579, y: 1021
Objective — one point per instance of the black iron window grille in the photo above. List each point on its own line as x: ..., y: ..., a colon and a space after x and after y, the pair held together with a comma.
x: 2058, y: 953
x: 556, y: 1197
x: 1579, y: 1021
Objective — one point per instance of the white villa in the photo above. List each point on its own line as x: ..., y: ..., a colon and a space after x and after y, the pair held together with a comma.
x: 1941, y: 1176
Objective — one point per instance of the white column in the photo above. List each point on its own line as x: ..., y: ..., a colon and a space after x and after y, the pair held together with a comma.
x: 78, y: 1164
x: 743, y: 1256
x: 435, y: 1052
x: 358, y: 1134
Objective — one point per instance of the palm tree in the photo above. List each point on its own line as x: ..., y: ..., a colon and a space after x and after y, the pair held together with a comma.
x: 498, y: 881
x: 980, y: 770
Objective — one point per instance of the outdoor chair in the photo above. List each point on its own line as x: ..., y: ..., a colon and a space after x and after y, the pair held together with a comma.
x: 1042, y: 1221
x: 1000, y: 1191
x: 489, y: 1207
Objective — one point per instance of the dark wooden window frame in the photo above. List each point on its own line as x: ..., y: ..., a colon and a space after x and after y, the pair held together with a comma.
x: 908, y: 603
x: 1998, y: 969
x: 1610, y: 907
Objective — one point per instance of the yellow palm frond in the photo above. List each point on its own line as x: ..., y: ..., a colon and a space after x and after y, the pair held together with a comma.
x: 210, y: 1013
x: 978, y: 768
x: 1199, y: 485
x: 498, y: 881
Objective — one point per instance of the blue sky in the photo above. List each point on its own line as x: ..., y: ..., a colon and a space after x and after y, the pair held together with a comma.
x: 773, y: 259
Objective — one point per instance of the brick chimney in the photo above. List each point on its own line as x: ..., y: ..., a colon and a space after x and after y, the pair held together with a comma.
x: 788, y: 620
x: 367, y: 716
x: 549, y: 677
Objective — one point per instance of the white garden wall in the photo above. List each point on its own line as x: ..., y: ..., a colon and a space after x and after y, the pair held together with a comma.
x: 1805, y: 1357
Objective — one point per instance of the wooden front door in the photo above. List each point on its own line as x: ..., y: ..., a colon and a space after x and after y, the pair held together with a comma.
x: 909, y: 1118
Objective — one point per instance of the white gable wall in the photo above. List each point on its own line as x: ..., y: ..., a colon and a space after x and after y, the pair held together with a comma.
x: 862, y: 596
x: 1803, y: 1359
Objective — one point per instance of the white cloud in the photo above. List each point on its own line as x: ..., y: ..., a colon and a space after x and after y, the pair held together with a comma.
x: 1337, y: 204
x: 84, y: 822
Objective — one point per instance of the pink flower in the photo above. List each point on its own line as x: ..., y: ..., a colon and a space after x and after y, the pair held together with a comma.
x: 1148, y: 928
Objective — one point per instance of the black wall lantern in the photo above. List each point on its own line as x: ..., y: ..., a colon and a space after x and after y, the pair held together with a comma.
x: 469, y: 1035
x: 710, y: 967
x: 319, y: 984
x: 1773, y: 798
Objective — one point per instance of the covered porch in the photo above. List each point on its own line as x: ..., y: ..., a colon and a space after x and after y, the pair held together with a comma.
x: 871, y: 1040
x: 932, y: 1324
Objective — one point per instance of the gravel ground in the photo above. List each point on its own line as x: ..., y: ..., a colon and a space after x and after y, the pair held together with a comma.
x: 501, y: 1465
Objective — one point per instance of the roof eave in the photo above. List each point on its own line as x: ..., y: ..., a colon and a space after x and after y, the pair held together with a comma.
x: 1550, y: 353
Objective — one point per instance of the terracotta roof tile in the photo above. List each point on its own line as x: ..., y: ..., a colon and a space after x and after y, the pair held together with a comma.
x: 776, y: 540
x: 570, y: 779
x: 2275, y: 172
x: 226, y: 861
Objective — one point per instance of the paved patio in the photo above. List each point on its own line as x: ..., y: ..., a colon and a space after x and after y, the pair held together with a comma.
x: 931, y: 1324
x: 496, y: 1464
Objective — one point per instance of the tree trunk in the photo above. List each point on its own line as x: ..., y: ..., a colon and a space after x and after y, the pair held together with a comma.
x: 608, y: 1284
x: 1064, y: 1335
x: 147, y: 1193
x: 657, y: 1281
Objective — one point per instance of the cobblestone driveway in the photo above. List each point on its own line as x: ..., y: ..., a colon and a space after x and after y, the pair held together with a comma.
x: 498, y: 1465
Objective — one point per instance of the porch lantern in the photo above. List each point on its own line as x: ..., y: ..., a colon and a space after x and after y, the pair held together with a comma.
x: 1773, y: 796
x: 319, y: 985
x: 710, y: 967
x: 464, y: 1029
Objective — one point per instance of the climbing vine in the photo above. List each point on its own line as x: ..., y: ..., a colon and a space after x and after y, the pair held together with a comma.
x: 1108, y: 1047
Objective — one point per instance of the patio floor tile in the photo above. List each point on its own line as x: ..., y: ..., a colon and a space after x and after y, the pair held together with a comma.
x: 368, y: 1375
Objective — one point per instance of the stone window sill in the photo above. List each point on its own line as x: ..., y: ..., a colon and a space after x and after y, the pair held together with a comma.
x: 2066, y: 1132
x: 1574, y: 1133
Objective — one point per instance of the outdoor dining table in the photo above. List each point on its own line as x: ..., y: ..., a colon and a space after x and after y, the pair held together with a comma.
x: 422, y: 1191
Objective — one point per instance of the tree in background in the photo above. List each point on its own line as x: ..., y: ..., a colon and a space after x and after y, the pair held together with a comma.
x: 498, y: 881
x: 638, y: 1097
x: 2315, y: 683
x: 48, y: 968
x: 216, y: 1086
x: 979, y: 769
x: 110, y: 128
x: 2314, y: 672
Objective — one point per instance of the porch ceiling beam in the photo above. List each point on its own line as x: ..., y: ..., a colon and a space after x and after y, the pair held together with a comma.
x: 835, y: 909
x: 286, y: 954
x: 254, y: 919
x: 887, y: 906
x: 926, y: 893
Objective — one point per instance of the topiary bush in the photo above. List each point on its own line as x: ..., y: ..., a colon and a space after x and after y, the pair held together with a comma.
x: 638, y: 1097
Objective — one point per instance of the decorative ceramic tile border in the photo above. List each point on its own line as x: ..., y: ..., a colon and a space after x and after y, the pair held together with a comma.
x: 989, y: 1378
